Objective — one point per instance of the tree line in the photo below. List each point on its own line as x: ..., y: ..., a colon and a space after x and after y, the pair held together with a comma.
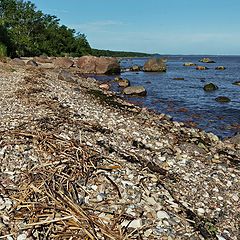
x: 27, y: 31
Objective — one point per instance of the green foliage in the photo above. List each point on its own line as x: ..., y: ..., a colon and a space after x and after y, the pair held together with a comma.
x: 3, y: 50
x: 108, y: 53
x: 27, y: 31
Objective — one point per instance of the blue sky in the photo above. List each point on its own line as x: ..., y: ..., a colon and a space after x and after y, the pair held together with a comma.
x: 154, y: 26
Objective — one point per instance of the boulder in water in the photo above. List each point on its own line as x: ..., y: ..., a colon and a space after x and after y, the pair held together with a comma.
x: 178, y: 78
x: 189, y: 64
x: 155, y: 65
x: 201, y: 68
x: 135, y: 68
x: 136, y: 90
x: 210, y: 87
x: 123, y: 83
x: 220, y: 68
x: 223, y: 99
x: 206, y: 60
x: 237, y: 83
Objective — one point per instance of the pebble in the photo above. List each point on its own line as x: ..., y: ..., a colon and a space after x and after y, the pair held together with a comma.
x: 162, y: 215
x: 137, y: 223
x: 200, y: 211
x: 235, y: 197
x: 22, y: 237
x: 101, y: 197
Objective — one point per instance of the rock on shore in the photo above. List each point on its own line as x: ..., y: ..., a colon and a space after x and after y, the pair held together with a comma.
x: 98, y: 65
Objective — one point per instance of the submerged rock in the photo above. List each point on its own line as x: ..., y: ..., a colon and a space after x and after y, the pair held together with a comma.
x: 155, y: 65
x: 136, y: 90
x: 220, y: 68
x: 210, y: 87
x: 178, y: 78
x: 189, y: 64
x: 223, y: 99
x: 237, y: 83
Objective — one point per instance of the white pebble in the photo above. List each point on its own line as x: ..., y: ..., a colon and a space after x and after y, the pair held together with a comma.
x: 22, y: 237
x: 200, y: 211
x: 162, y: 215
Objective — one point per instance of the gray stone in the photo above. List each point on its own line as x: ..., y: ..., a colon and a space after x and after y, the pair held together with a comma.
x: 136, y: 90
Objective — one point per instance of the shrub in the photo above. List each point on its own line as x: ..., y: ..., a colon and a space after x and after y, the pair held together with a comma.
x: 3, y: 50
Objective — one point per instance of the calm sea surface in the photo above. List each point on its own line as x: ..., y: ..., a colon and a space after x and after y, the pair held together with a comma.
x: 185, y: 100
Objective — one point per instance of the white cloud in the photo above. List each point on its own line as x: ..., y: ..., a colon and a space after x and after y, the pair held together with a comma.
x: 97, y: 26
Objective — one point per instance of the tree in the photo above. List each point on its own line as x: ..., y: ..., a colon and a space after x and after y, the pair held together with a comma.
x: 31, y: 32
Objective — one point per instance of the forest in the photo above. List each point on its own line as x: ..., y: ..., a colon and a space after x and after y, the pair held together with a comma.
x: 27, y: 31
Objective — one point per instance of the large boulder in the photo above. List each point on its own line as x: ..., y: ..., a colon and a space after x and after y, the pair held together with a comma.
x: 136, y: 90
x: 98, y: 65
x: 63, y: 62
x: 155, y: 65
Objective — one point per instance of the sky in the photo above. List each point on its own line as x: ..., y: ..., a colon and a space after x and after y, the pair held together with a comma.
x: 153, y: 26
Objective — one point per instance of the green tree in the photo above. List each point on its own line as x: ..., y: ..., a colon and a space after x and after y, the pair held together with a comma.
x: 31, y: 32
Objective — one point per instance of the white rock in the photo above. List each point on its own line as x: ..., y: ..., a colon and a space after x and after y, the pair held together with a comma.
x: 162, y: 215
x: 151, y: 200
x: 200, y: 211
x: 219, y: 237
x: 235, y: 197
x: 220, y: 198
x: 147, y: 233
x: 137, y: 223
x: 8, y: 204
x: 94, y: 187
x: 22, y: 237
x: 101, y: 197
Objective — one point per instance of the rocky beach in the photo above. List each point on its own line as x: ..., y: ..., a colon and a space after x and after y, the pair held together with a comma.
x: 78, y: 162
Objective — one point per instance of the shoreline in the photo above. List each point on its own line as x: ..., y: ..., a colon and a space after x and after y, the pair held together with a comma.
x: 133, y: 170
